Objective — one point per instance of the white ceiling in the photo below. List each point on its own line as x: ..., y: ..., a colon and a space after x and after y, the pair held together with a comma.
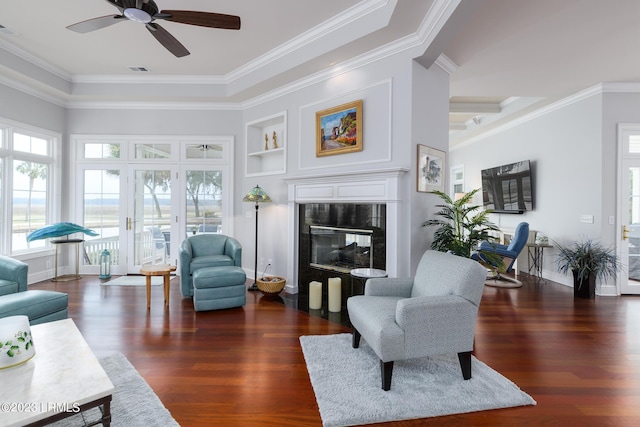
x: 509, y: 56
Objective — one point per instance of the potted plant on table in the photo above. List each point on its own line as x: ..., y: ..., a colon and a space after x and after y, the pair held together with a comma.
x: 461, y: 227
x: 589, y: 261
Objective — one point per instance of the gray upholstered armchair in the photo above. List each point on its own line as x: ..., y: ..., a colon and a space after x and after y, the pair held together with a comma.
x: 206, y: 250
x: 434, y: 313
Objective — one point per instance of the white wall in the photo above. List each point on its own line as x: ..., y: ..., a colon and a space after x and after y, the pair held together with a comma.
x: 388, y: 89
x: 573, y: 149
x: 429, y: 126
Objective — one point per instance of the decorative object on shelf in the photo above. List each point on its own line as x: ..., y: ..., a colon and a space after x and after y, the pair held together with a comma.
x: 257, y: 196
x: 589, y: 261
x: 266, y: 142
x: 105, y: 265
x: 275, y: 139
x: 460, y: 227
x: 315, y: 295
x: 339, y: 129
x: 59, y: 229
x: 541, y: 239
x: 335, y: 294
x: 431, y: 169
x: 16, y: 345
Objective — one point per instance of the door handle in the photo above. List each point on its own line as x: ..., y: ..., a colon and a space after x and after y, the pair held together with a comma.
x: 128, y: 223
x: 625, y: 233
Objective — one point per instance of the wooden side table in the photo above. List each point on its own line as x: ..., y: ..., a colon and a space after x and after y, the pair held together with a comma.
x: 163, y: 270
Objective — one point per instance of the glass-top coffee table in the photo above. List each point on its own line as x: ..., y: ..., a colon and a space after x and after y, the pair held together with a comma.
x: 63, y: 378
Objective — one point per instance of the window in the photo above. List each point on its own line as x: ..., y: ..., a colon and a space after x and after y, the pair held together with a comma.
x: 26, y: 193
x: 457, y: 180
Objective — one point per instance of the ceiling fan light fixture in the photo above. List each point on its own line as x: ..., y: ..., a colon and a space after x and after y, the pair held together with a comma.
x: 137, y: 15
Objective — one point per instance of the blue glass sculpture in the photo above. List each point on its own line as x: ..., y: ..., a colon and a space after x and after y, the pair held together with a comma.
x: 58, y: 230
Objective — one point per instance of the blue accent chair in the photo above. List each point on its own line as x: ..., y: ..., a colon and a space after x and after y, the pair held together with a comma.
x: 508, y: 254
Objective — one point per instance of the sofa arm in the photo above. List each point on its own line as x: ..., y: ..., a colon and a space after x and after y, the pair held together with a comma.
x: 443, y: 323
x: 15, y: 271
x: 389, y: 287
x: 233, y: 248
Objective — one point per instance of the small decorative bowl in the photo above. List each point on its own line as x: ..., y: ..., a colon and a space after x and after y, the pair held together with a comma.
x: 271, y: 285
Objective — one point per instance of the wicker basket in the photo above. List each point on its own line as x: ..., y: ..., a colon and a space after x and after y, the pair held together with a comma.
x: 271, y: 285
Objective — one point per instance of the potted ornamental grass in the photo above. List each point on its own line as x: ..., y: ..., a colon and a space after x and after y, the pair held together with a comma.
x: 589, y: 261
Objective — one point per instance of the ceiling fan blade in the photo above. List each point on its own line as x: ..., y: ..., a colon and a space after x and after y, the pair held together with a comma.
x: 96, y: 23
x: 202, y: 19
x: 167, y: 40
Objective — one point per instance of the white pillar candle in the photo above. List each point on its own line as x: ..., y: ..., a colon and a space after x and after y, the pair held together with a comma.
x: 335, y: 294
x: 315, y: 295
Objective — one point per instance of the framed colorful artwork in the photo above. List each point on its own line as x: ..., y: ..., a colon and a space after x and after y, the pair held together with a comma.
x: 339, y: 129
x: 431, y: 169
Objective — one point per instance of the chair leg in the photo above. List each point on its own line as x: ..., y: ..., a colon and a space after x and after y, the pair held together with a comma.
x: 355, y: 343
x: 465, y: 364
x: 386, y: 370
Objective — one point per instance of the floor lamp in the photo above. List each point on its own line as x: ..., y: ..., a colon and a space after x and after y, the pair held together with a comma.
x: 256, y: 195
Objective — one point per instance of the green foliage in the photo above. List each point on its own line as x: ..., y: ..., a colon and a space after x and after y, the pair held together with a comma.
x: 461, y: 227
x: 588, y: 257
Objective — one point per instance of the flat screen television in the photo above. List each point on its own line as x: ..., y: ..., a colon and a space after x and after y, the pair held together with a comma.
x: 508, y: 188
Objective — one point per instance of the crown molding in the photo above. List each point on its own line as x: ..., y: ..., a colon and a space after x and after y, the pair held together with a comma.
x: 547, y: 109
x: 197, y: 106
x: 34, y: 60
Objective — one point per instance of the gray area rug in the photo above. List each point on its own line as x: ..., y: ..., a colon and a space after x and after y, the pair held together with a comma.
x: 135, y: 281
x: 134, y: 403
x: 346, y: 382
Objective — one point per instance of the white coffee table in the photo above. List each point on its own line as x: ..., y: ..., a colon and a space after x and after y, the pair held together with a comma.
x: 62, y: 379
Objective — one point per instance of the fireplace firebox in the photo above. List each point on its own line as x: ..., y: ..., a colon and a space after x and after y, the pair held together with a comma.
x: 335, y: 238
x: 340, y: 249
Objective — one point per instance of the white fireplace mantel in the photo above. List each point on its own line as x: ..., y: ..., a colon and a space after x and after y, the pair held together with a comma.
x: 379, y: 186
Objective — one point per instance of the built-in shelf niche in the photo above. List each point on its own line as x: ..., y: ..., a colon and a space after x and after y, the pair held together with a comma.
x: 262, y: 156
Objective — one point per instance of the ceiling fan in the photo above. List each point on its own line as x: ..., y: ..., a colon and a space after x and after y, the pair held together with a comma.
x: 146, y: 12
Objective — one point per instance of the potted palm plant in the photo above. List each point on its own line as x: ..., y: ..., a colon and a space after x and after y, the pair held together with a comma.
x: 589, y: 261
x: 461, y: 226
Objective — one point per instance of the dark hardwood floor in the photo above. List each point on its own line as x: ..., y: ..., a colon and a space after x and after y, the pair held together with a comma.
x: 579, y: 359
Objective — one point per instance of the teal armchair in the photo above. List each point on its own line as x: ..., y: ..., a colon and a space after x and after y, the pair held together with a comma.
x: 203, y: 251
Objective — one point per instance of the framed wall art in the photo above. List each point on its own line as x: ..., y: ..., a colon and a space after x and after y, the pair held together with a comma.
x: 339, y: 129
x: 431, y: 169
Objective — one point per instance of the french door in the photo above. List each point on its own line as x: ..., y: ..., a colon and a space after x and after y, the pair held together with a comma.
x: 151, y: 215
x: 144, y: 198
x: 629, y: 201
